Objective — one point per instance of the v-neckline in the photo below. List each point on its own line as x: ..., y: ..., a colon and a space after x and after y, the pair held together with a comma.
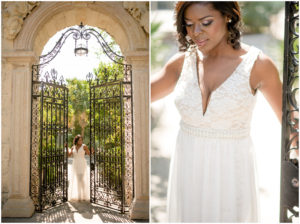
x: 223, y: 83
x: 77, y: 150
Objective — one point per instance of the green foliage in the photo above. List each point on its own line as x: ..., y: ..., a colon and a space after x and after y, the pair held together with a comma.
x: 110, y: 42
x: 108, y: 117
x: 78, y: 108
x: 108, y: 114
x: 256, y: 15
x: 157, y: 47
x: 155, y: 27
x: 78, y: 94
x: 77, y: 128
x: 108, y: 72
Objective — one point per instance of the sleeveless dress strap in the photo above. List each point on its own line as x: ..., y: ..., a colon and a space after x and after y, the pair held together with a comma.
x: 251, y: 58
x: 248, y: 65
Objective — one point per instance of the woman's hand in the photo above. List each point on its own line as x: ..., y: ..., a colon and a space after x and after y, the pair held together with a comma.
x: 70, y: 152
x: 86, y: 149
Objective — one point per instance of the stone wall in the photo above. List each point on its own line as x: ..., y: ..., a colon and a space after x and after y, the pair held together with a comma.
x: 5, y: 126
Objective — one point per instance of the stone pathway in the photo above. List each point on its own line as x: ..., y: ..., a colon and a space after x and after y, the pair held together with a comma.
x: 75, y: 212
x: 71, y: 212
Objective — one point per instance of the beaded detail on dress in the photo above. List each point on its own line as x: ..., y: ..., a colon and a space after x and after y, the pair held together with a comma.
x: 231, y: 104
x: 214, y: 133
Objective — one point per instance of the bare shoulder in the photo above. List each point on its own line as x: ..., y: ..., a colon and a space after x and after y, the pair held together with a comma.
x: 264, y: 73
x: 175, y: 63
x: 264, y: 66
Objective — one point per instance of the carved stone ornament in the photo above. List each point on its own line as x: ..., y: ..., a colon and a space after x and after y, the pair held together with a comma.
x: 140, y: 12
x: 14, y: 14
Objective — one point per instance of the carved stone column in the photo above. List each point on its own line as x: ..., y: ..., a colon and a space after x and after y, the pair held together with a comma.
x: 19, y: 204
x: 140, y: 72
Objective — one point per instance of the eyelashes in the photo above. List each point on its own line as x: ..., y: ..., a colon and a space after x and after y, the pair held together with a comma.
x: 207, y: 23
x: 203, y: 24
x: 188, y: 25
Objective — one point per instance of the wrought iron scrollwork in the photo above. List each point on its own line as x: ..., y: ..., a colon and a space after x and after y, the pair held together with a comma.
x: 85, y: 33
x: 111, y: 138
x: 49, y: 131
x: 289, y: 203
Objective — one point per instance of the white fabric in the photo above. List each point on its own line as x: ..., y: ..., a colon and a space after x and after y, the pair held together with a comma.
x: 212, y: 172
x: 79, y: 188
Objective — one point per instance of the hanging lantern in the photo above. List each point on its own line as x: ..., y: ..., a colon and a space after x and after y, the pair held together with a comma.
x: 81, y: 43
x: 81, y: 47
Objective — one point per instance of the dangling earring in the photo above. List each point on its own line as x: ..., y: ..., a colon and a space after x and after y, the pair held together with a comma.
x: 188, y: 38
x: 229, y: 21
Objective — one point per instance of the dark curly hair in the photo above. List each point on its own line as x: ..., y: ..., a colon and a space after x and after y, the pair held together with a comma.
x: 230, y: 9
x: 76, y: 139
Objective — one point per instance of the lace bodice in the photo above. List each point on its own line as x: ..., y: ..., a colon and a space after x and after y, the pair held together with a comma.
x: 231, y: 104
x: 80, y: 153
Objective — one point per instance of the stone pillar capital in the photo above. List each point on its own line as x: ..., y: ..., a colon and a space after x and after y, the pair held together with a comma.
x: 139, y: 56
x: 19, y: 57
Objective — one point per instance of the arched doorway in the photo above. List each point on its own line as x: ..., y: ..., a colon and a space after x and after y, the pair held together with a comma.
x: 111, y: 129
x: 21, y: 51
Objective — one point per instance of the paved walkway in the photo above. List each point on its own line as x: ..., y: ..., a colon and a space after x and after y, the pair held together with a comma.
x: 75, y: 212
x: 72, y: 212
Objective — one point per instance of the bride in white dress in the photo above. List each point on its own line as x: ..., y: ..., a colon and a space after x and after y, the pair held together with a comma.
x: 79, y: 188
x: 215, y: 80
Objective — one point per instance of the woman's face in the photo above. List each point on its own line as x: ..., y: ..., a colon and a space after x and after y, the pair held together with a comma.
x: 205, y: 25
x: 80, y: 141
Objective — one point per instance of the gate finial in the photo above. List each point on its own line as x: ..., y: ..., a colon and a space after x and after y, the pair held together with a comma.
x: 89, y: 77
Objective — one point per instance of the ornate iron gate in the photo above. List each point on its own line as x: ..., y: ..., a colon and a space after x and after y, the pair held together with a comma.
x: 49, y: 131
x: 111, y: 138
x: 289, y: 193
x: 111, y: 130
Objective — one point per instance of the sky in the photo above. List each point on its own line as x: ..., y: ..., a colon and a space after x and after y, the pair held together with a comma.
x: 67, y: 64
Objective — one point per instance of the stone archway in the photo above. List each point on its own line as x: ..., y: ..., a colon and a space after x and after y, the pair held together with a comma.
x: 26, y: 28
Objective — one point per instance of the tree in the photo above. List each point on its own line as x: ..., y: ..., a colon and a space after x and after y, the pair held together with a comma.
x: 78, y: 107
x: 256, y: 15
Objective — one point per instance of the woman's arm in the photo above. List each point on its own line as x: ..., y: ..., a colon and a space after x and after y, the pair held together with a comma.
x: 70, y: 152
x: 86, y: 149
x: 164, y: 83
x: 266, y: 77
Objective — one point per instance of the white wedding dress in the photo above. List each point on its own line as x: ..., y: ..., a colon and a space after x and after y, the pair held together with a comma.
x: 212, y: 171
x: 79, y: 189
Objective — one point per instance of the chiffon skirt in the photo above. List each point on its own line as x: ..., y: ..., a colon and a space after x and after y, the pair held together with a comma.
x: 79, y: 188
x: 212, y: 180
